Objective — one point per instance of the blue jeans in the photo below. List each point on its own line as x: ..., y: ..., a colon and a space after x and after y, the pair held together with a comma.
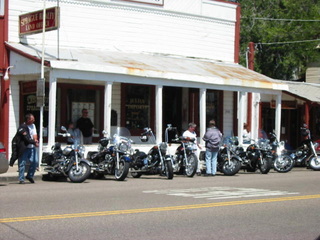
x: 211, y: 162
x: 30, y: 154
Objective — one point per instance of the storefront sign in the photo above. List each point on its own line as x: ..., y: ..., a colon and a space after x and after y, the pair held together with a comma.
x: 31, y: 23
x: 285, y: 104
x: 154, y: 2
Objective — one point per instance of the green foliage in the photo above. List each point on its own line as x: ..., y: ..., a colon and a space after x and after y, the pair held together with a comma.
x: 281, y: 61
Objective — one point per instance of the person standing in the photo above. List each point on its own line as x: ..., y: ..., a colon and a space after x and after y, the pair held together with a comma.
x: 212, y: 138
x: 25, y: 150
x: 76, y: 136
x: 85, y: 125
x: 191, y: 133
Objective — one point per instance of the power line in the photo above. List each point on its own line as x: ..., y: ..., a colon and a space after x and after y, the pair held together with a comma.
x: 291, y: 42
x: 286, y: 20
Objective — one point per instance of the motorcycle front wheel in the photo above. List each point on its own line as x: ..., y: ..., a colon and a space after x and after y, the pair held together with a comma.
x: 283, y: 164
x: 169, y: 169
x: 191, y: 168
x: 314, y: 163
x: 265, y: 166
x: 232, y: 167
x: 81, y: 174
x: 121, y: 173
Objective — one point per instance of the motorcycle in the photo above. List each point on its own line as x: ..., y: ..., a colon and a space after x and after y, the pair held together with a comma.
x: 185, y: 160
x: 67, y: 162
x: 255, y: 157
x: 282, y: 162
x: 306, y: 154
x: 156, y: 161
x: 115, y: 159
x: 228, y: 162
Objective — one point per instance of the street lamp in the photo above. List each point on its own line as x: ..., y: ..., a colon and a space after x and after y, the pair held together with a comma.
x: 6, y: 75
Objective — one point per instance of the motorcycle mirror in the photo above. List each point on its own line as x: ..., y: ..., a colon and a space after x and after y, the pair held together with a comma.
x: 63, y: 128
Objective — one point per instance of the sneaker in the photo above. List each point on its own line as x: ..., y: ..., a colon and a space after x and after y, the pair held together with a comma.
x: 30, y: 179
x: 21, y: 182
x: 198, y: 173
x: 207, y: 175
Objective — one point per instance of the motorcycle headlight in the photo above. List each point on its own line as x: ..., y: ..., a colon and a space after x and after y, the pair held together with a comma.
x: 82, y: 149
x: 123, y: 147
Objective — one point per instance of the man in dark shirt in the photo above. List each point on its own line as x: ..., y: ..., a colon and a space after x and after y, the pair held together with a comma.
x: 86, y: 127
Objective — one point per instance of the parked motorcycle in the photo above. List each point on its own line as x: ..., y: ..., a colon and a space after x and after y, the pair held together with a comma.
x: 115, y: 159
x: 67, y: 162
x: 256, y: 156
x: 185, y: 160
x: 156, y: 161
x: 306, y: 154
x: 228, y: 162
x: 282, y: 162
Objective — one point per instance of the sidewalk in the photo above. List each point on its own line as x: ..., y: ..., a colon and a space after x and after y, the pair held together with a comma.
x: 12, y: 175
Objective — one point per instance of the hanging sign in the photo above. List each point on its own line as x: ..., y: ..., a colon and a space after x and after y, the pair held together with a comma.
x: 154, y: 2
x: 31, y: 23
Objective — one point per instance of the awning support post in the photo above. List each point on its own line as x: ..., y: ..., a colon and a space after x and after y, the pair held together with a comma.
x: 202, y: 96
x: 159, y: 101
x: 107, y: 107
x: 278, y: 116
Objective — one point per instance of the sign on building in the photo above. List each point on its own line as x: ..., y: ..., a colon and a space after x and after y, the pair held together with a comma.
x: 31, y: 23
x: 154, y: 2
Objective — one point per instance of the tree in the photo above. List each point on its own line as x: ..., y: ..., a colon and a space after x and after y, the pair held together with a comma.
x: 281, y: 59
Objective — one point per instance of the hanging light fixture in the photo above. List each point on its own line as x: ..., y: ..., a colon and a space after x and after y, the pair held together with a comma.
x: 6, y: 75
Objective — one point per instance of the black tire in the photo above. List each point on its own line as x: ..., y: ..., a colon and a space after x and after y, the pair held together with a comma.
x: 49, y: 177
x: 232, y: 167
x: 193, y: 164
x: 80, y: 175
x: 265, y: 166
x: 136, y: 174
x: 96, y: 175
x: 169, y: 169
x: 121, y: 173
x: 283, y: 164
x: 314, y: 163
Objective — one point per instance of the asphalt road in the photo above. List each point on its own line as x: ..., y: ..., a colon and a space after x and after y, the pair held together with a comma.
x: 245, y: 206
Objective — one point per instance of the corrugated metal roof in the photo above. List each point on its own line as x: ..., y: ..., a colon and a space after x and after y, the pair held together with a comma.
x: 307, y: 91
x: 155, y: 66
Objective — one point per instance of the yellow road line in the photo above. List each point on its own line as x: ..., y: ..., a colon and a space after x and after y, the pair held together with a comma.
x: 160, y: 209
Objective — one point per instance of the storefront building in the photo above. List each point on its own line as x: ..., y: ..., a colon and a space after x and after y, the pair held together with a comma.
x: 135, y: 64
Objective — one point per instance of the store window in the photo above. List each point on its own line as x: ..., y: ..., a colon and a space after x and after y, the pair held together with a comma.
x: 213, y: 111
x: 73, y: 98
x: 136, y: 107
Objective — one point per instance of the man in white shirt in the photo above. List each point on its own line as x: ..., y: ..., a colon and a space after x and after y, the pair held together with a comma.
x: 193, y: 135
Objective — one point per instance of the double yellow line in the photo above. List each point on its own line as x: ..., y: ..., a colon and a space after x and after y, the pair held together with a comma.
x: 160, y: 209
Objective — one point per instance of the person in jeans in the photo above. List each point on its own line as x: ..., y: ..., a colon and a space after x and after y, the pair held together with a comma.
x: 212, y: 138
x: 26, y: 148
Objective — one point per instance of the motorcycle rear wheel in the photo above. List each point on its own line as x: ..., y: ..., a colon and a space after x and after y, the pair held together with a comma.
x: 136, y: 174
x: 191, y: 169
x: 121, y: 173
x: 265, y: 166
x: 314, y: 163
x: 169, y: 169
x: 232, y: 167
x: 80, y: 175
x: 283, y: 164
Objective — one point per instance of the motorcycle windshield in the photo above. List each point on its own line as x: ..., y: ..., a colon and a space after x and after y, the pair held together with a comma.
x: 120, y: 131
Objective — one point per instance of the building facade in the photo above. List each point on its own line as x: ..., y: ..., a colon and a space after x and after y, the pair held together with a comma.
x: 132, y: 64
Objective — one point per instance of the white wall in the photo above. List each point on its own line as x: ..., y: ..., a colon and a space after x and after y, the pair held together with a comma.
x: 177, y: 28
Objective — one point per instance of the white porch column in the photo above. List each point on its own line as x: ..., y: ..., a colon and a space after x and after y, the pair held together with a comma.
x: 203, y: 107
x: 278, y: 116
x: 241, y: 111
x: 255, y: 117
x: 107, y: 107
x: 52, y: 110
x: 159, y: 100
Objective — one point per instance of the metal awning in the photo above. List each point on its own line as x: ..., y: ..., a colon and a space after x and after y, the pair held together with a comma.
x: 306, y: 91
x: 160, y: 66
